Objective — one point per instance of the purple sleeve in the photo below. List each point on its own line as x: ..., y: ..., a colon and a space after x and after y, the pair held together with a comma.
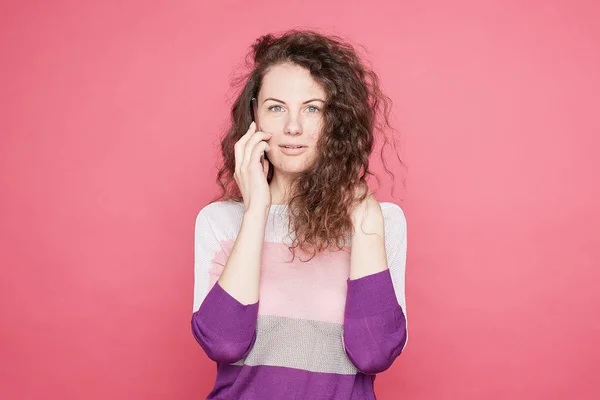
x: 374, y: 323
x: 224, y: 327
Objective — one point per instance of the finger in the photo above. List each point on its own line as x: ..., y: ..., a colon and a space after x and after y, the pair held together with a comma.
x: 241, y: 144
x: 251, y: 145
x: 258, y: 152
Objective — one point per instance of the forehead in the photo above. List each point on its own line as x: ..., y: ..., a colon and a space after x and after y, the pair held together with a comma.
x: 290, y: 83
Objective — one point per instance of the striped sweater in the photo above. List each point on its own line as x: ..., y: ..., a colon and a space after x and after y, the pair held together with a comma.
x: 314, y: 333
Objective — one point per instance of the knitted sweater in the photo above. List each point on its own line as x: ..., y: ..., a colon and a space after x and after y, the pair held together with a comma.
x: 314, y: 333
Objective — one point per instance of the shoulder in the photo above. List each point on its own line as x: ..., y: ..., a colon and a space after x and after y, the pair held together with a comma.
x: 395, y: 233
x: 392, y: 213
x: 221, y: 217
x: 219, y: 209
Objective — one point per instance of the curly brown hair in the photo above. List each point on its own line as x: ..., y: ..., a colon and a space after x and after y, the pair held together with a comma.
x: 355, y: 110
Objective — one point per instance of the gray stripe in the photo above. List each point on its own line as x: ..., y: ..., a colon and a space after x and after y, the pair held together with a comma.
x: 299, y: 343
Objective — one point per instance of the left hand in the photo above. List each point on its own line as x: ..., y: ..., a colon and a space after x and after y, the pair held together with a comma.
x: 368, y: 239
x: 369, y: 208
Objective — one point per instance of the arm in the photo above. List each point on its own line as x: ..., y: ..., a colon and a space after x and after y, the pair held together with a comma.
x: 241, y: 275
x: 374, y: 323
x: 225, y: 321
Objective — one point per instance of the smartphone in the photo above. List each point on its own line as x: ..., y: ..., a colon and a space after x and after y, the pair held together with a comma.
x: 255, y: 119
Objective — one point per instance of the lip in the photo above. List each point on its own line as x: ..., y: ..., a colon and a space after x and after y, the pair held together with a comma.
x: 292, y: 152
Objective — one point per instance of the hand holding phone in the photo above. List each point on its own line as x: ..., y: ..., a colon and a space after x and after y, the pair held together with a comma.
x: 250, y: 175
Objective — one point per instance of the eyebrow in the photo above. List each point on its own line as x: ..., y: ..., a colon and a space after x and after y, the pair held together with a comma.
x: 283, y: 102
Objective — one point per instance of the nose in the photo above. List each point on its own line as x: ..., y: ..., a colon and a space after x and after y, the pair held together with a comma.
x: 293, y: 125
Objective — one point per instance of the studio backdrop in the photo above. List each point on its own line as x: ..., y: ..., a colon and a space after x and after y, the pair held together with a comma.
x: 110, y: 118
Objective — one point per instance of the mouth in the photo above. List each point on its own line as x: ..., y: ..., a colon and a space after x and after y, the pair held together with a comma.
x: 292, y: 150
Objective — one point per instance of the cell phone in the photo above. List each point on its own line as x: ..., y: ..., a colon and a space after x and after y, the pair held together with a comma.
x: 255, y: 119
x: 255, y: 112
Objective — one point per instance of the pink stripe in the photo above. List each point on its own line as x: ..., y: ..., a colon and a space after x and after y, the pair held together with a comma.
x: 314, y: 290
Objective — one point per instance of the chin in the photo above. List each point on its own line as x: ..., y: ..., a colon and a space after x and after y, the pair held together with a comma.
x: 291, y: 171
x: 291, y: 168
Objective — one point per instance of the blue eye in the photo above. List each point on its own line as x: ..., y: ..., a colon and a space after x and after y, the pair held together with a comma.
x: 315, y: 108
x: 272, y: 108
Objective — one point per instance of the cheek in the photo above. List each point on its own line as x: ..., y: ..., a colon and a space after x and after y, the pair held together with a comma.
x: 317, y: 128
x: 314, y: 133
x: 269, y: 124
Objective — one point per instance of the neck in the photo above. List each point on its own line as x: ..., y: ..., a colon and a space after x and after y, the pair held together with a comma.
x: 279, y: 189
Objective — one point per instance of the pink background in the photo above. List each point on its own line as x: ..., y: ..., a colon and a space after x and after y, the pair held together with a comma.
x: 110, y: 113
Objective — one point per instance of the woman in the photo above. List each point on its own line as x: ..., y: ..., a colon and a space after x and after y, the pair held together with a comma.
x: 299, y: 271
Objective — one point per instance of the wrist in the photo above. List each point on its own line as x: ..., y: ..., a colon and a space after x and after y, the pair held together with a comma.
x: 368, y: 219
x: 368, y: 209
x: 256, y: 214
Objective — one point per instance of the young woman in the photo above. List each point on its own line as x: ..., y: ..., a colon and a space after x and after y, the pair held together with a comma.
x: 299, y: 271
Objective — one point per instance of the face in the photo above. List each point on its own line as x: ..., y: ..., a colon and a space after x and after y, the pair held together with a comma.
x: 290, y: 107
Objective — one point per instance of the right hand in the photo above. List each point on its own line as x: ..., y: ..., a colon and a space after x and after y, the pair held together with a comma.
x: 250, y: 173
